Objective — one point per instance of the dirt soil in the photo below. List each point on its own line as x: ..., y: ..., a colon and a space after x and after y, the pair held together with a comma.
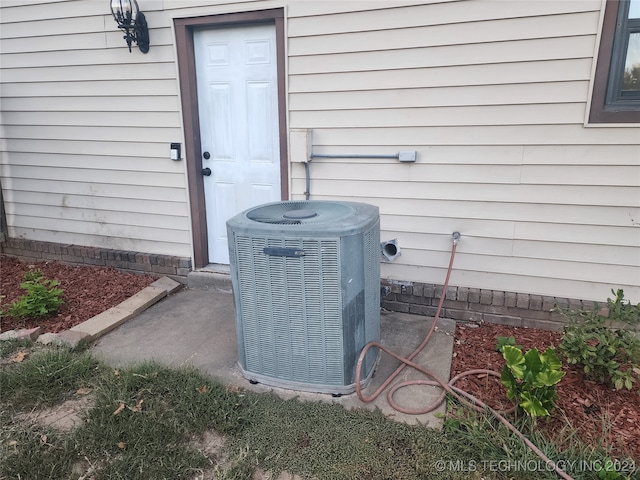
x: 585, y: 404
x: 87, y: 291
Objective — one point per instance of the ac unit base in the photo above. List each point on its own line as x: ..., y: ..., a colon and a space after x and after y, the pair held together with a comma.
x: 308, y: 387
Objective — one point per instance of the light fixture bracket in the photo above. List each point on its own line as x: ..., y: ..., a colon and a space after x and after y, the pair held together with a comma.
x: 132, y: 22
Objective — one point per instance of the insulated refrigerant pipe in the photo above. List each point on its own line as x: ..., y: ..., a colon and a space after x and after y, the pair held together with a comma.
x: 447, y: 387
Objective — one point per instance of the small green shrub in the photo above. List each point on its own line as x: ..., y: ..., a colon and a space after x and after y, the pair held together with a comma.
x: 608, y: 471
x: 606, y: 354
x: 530, y: 378
x: 42, y: 296
x: 502, y: 341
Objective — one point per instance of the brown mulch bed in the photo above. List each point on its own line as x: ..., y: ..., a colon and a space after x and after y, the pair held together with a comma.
x: 87, y: 291
x: 599, y: 414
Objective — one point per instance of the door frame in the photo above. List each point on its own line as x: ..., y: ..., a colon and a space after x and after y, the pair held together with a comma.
x: 184, y: 28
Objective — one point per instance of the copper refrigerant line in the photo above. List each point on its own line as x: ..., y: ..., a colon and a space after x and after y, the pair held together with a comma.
x: 447, y: 387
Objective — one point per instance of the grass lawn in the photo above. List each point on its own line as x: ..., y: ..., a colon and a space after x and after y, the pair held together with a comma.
x: 151, y: 422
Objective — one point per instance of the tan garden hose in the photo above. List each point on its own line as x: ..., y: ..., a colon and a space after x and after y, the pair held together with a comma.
x: 447, y: 387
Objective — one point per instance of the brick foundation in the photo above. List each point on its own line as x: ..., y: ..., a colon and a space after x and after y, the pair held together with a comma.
x: 125, y: 260
x: 461, y: 303
x: 479, y: 305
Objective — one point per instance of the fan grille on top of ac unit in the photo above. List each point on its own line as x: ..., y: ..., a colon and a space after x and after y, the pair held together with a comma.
x: 299, y: 213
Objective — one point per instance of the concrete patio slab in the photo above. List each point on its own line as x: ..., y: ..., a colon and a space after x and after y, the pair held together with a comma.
x: 197, y: 328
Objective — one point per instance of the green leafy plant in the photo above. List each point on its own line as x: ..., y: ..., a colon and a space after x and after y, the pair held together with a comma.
x: 608, y: 471
x: 42, y: 296
x: 607, y: 354
x: 502, y: 341
x: 530, y: 378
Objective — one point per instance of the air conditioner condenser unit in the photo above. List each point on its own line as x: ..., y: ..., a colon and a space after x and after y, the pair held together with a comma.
x: 306, y: 283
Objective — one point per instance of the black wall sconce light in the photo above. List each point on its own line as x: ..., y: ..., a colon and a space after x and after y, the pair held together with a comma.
x: 132, y: 22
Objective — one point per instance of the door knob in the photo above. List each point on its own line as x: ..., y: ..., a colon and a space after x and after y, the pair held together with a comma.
x: 206, y: 171
x: 206, y: 155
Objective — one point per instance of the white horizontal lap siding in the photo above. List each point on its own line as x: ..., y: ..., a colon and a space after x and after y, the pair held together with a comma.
x: 455, y: 96
x: 492, y: 95
x: 92, y: 89
x: 446, y: 55
x: 528, y: 73
x: 87, y: 128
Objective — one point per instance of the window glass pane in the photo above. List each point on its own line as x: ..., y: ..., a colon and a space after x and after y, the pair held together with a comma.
x: 631, y: 79
x: 634, y: 9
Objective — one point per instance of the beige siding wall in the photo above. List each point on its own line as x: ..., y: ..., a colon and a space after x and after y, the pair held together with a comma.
x: 87, y: 128
x: 491, y: 94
